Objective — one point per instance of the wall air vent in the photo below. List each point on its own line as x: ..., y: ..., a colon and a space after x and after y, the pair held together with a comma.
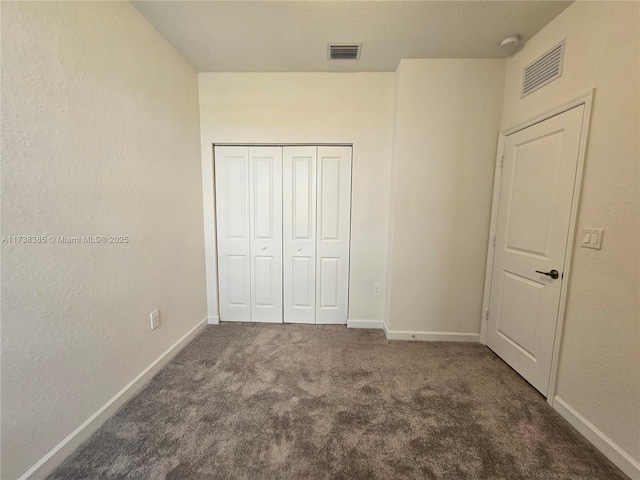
x: 344, y: 51
x: 544, y: 70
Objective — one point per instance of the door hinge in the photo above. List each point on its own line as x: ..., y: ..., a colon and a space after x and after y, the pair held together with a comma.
x: 494, y: 241
x: 486, y: 316
x: 501, y: 161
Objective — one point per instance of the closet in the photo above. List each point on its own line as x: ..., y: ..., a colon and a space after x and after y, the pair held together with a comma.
x: 283, y: 224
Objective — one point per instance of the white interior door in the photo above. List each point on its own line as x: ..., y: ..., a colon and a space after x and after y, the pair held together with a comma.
x: 299, y: 220
x: 232, y: 214
x: 539, y: 173
x: 265, y: 220
x: 334, y: 218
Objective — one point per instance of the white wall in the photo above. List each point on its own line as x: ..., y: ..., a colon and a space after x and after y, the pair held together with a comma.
x: 100, y: 136
x: 310, y: 108
x: 599, y: 374
x: 445, y: 134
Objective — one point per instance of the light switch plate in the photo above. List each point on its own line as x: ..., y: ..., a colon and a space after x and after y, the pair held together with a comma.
x: 592, y: 238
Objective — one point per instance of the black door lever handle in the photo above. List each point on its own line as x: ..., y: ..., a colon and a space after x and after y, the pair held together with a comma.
x: 553, y: 273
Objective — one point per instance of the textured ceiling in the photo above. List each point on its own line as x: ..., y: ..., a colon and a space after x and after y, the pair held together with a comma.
x: 285, y: 36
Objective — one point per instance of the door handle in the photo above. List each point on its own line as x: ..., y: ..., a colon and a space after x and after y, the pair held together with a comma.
x: 553, y: 273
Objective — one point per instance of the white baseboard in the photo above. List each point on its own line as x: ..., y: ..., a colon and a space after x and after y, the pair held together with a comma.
x: 66, y: 447
x: 377, y: 324
x: 213, y: 320
x: 431, y: 336
x: 611, y: 450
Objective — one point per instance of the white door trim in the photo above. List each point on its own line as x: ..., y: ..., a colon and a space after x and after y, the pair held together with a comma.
x: 586, y: 100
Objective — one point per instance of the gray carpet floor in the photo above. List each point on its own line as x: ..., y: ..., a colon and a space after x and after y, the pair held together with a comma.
x: 248, y: 401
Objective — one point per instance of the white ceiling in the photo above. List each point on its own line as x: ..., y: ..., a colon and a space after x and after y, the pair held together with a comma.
x: 292, y: 36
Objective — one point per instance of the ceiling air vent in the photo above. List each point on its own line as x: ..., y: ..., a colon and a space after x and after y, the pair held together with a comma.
x: 344, y: 51
x: 543, y: 70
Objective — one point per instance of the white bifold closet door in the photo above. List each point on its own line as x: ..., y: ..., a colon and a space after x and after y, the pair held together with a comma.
x: 333, y: 222
x: 265, y: 227
x: 232, y: 214
x: 317, y: 216
x: 249, y: 217
x: 283, y: 218
x: 299, y: 200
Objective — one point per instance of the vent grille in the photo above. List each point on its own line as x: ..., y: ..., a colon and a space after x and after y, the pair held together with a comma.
x: 345, y: 51
x: 544, y: 70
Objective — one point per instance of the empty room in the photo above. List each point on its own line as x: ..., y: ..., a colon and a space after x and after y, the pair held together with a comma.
x: 320, y: 240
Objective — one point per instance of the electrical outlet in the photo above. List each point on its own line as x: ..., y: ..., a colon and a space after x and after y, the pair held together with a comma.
x: 377, y: 289
x: 155, y: 319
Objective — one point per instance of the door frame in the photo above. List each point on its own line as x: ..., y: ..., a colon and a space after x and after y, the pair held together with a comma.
x: 586, y: 100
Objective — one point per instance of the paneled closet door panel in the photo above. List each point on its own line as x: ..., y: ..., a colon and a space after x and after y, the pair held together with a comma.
x: 333, y: 222
x: 299, y: 209
x: 232, y: 214
x: 265, y: 220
